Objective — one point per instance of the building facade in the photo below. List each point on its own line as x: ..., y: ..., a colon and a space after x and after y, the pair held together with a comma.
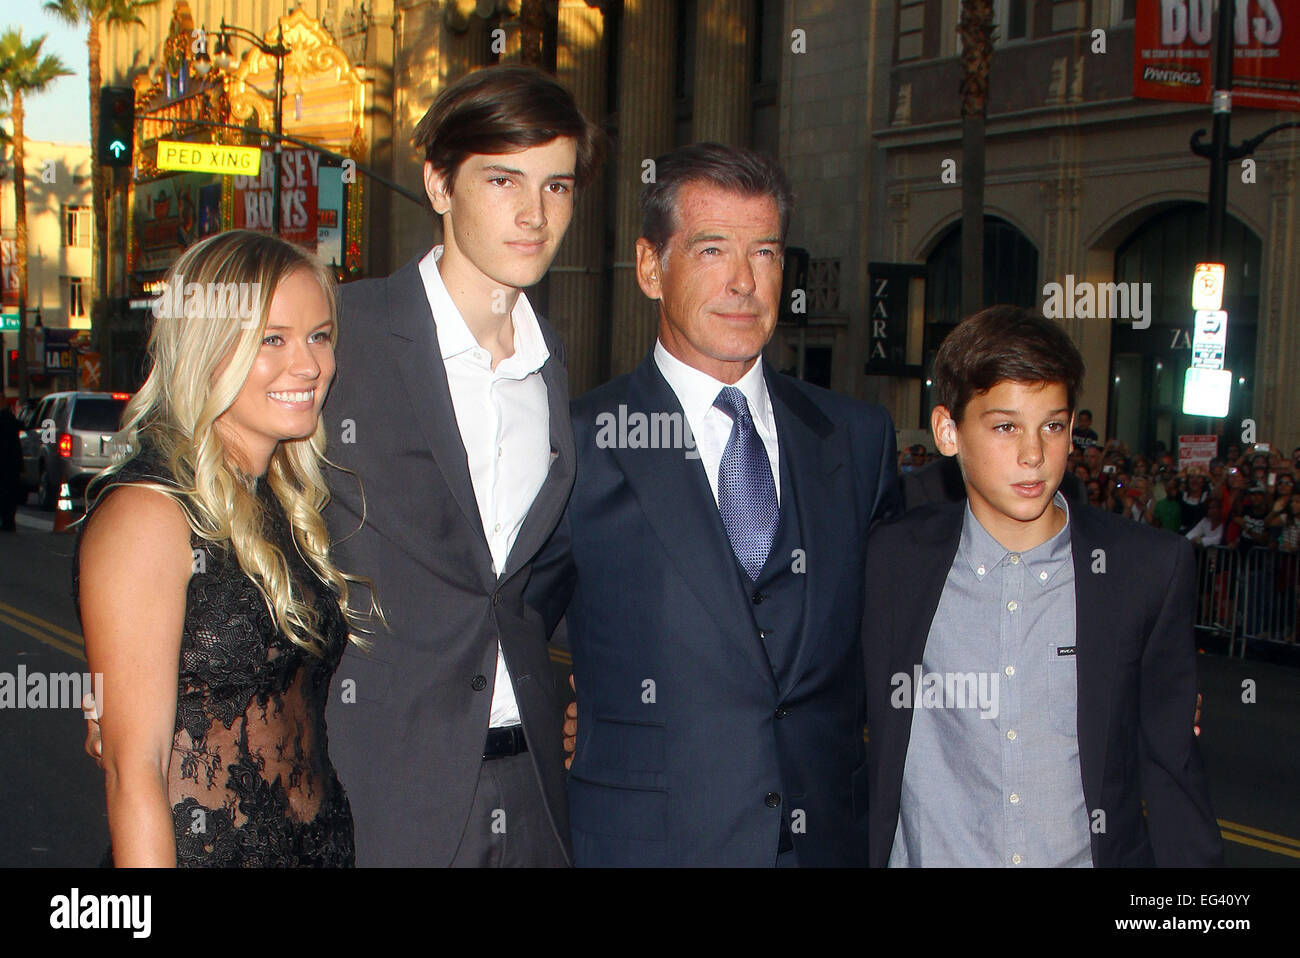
x: 1086, y: 184
x: 860, y: 101
x: 60, y: 241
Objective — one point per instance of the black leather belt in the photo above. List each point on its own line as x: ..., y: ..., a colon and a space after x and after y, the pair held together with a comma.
x: 505, y: 741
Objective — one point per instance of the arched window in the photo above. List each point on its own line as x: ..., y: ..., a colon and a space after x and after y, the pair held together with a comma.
x: 1010, y: 272
x: 1147, y: 366
x: 1010, y: 276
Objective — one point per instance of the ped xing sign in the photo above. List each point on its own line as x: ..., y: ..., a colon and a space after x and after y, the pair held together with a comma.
x: 209, y: 158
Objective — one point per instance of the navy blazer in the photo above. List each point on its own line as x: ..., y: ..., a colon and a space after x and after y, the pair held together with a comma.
x: 689, y: 750
x: 1135, y: 599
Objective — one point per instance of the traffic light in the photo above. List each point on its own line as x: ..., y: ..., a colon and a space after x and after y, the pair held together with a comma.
x: 116, y: 125
x: 11, y: 369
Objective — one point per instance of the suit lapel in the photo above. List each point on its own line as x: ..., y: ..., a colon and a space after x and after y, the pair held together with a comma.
x: 1095, y: 624
x: 677, y: 503
x: 938, y: 538
x: 418, y: 360
x: 551, y: 498
x: 814, y: 463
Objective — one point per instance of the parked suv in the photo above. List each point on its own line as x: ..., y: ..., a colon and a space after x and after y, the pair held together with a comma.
x: 65, y: 438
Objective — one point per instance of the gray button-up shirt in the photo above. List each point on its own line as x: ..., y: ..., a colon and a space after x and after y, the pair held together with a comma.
x: 992, y: 772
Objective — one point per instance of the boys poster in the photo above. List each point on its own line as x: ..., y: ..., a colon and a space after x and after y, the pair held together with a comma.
x: 1174, y: 49
x: 299, y: 181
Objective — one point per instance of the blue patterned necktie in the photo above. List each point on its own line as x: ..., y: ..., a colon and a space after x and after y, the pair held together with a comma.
x: 746, y: 492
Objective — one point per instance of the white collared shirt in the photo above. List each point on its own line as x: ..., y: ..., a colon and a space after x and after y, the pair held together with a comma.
x: 505, y: 426
x: 697, y: 391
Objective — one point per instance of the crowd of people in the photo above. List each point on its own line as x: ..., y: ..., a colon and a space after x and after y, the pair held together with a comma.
x: 1244, y: 499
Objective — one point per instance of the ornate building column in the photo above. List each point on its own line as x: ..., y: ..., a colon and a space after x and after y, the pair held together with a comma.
x: 645, y: 130
x: 465, y: 40
x: 576, y: 275
x: 1062, y: 254
x: 724, y: 56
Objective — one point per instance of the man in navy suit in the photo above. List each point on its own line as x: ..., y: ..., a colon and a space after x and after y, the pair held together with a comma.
x: 713, y: 550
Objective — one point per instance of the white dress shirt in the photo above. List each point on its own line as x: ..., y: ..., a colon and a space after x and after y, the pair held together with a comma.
x: 696, y: 391
x: 1206, y: 534
x: 505, y: 425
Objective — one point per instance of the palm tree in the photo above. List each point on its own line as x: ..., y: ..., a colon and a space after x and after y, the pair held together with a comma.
x: 95, y: 14
x: 976, y: 30
x: 23, y: 70
x: 6, y: 146
x: 532, y: 19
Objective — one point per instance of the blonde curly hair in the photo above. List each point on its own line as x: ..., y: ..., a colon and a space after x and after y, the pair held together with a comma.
x: 201, y: 356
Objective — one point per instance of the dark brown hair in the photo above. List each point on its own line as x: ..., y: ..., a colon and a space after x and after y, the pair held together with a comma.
x: 504, y: 109
x: 730, y: 168
x: 1004, y: 343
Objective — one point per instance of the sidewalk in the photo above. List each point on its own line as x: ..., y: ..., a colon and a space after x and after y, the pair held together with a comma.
x: 40, y: 521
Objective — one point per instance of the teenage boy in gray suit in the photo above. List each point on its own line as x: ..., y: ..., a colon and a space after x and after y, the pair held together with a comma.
x: 448, y: 734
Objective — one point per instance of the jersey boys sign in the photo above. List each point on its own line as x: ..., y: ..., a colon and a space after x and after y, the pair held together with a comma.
x: 299, y: 181
x: 1173, y: 55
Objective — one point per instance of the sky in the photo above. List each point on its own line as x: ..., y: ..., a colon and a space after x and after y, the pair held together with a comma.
x: 62, y: 113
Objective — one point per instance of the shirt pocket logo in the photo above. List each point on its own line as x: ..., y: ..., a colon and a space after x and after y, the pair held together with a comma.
x: 1062, y: 688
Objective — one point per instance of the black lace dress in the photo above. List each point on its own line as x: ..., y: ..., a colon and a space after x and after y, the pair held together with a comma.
x: 250, y: 780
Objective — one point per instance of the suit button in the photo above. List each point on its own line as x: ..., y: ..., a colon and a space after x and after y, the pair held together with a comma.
x: 782, y: 711
x: 764, y: 633
x: 772, y: 800
x: 758, y: 597
x: 496, y: 598
x: 479, y: 683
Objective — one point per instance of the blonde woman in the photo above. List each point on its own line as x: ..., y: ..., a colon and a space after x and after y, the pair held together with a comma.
x: 207, y: 596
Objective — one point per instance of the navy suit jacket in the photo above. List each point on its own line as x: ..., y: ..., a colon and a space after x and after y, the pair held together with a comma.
x: 689, y: 750
x: 1135, y: 598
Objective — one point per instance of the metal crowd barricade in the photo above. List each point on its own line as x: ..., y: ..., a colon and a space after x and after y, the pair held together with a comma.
x: 1217, y: 578
x: 1269, y: 599
x: 1248, y: 596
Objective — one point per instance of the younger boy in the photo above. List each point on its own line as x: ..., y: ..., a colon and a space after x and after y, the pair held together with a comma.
x: 1031, y: 673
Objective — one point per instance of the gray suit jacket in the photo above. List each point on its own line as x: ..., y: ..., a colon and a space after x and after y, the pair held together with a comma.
x: 407, y: 721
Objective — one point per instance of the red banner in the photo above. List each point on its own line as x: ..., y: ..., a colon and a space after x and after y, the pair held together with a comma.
x: 298, y: 184
x: 1173, y: 52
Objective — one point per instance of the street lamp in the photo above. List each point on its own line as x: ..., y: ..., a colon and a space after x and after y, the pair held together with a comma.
x: 202, y: 62
x: 222, y: 55
x: 224, y: 58
x: 1220, y: 151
